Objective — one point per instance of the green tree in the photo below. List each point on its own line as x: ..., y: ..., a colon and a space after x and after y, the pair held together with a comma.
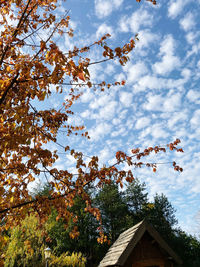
x: 161, y: 214
x: 85, y: 241
x: 59, y: 239
x: 136, y: 199
x: 187, y: 247
x: 114, y: 210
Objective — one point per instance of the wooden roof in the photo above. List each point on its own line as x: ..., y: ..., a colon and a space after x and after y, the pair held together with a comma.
x: 124, y: 245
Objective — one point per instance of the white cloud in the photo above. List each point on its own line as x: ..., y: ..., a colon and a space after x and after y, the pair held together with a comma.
x: 167, y: 45
x: 176, y: 7
x: 110, y: 69
x: 186, y: 73
x: 172, y: 102
x: 116, y: 121
x: 188, y: 22
x: 107, y: 112
x: 70, y: 160
x: 121, y: 131
x: 176, y: 118
x: 33, y: 186
x: 190, y: 37
x: 157, y: 83
x: 123, y: 24
x: 194, y: 96
x: 169, y: 61
x: 96, y: 72
x: 104, y: 29
x: 136, y: 21
x: 100, y: 131
x: 195, y: 49
x: 126, y: 98
x: 75, y: 120
x: 149, y: 82
x: 146, y: 37
x: 195, y: 120
x: 102, y: 108
x: 104, y: 155
x: 154, y: 102
x: 100, y: 101
x: 134, y: 72
x: 168, y: 103
x: 142, y: 122
x: 104, y: 8
x: 87, y: 96
x: 85, y: 114
x: 168, y: 64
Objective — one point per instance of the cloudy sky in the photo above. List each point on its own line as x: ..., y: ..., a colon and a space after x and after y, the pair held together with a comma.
x: 161, y: 99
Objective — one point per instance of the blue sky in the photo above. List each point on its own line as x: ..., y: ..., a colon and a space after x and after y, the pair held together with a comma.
x: 161, y: 99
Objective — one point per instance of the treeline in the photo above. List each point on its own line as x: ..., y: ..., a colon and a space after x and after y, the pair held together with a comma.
x: 119, y: 210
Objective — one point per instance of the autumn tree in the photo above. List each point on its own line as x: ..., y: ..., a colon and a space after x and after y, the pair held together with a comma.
x: 29, y: 67
x: 26, y: 247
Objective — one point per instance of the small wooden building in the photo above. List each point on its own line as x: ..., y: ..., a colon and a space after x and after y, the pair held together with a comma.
x: 140, y: 246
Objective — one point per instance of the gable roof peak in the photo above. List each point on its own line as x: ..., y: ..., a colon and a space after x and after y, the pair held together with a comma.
x: 127, y: 240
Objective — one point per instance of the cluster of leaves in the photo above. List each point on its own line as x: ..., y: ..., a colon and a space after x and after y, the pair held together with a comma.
x: 152, y: 1
x: 29, y: 66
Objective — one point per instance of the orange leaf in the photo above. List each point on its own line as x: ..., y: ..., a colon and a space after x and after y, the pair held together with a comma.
x: 81, y: 76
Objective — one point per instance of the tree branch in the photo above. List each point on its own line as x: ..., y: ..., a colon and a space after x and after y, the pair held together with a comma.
x: 16, y: 31
x: 8, y: 88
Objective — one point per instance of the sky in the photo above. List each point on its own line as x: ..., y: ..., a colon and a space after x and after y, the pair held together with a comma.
x: 160, y: 101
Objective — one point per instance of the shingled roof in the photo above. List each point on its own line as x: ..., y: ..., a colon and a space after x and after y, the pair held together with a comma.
x: 124, y: 245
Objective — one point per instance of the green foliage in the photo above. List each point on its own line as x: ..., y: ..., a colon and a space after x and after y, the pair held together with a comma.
x: 25, y: 246
x: 87, y: 226
x: 86, y: 241
x: 58, y: 235
x: 42, y: 190
x: 73, y: 260
x: 114, y: 210
x: 136, y: 199
x: 187, y: 247
x: 161, y: 214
